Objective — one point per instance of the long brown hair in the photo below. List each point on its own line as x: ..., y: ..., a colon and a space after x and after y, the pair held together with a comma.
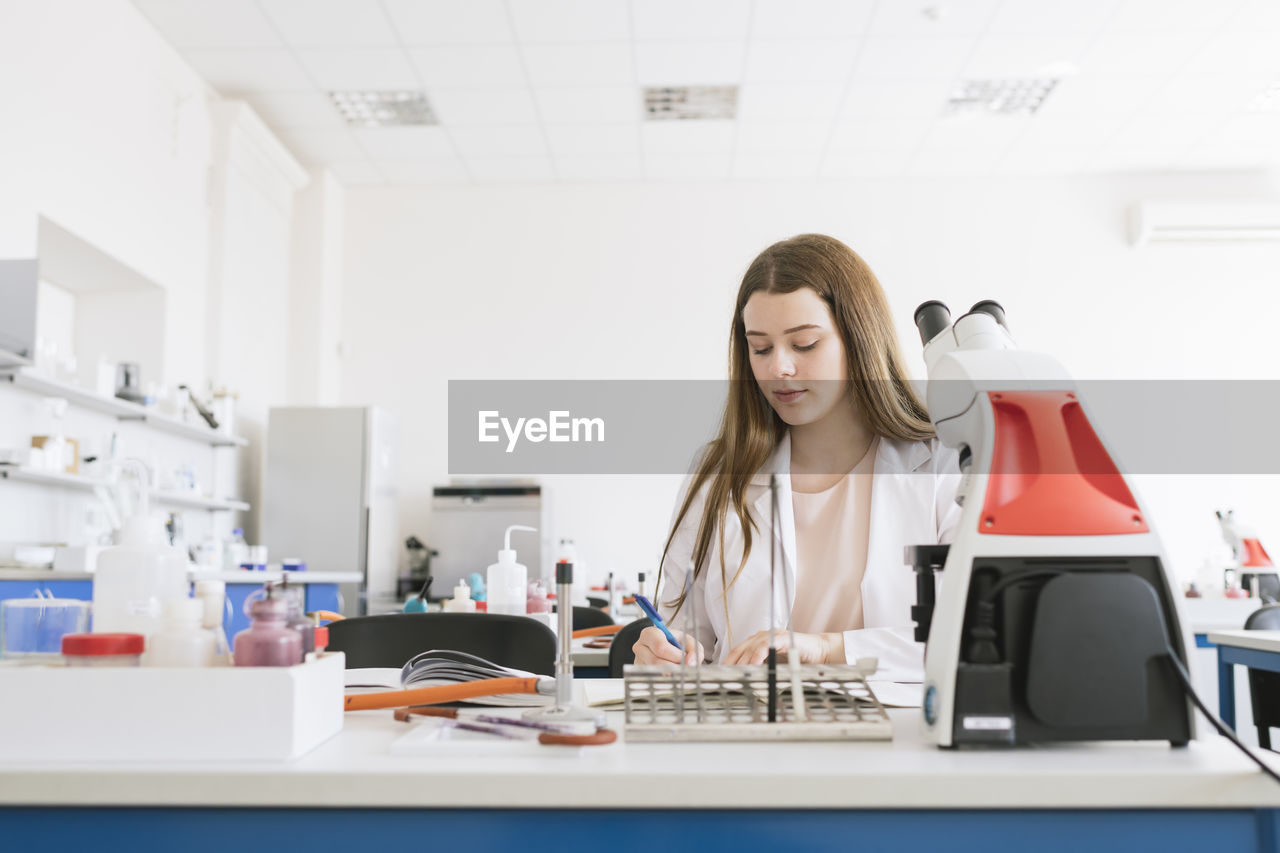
x: 750, y: 429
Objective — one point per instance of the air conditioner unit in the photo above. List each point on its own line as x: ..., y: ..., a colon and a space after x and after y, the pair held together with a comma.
x: 1204, y: 221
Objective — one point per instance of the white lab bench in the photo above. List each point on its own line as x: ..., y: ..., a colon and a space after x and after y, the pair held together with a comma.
x: 902, y: 794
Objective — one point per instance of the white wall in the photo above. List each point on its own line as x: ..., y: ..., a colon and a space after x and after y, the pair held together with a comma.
x: 637, y: 281
x: 107, y: 132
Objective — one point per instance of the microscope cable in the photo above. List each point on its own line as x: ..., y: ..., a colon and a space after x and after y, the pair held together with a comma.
x: 1223, y: 728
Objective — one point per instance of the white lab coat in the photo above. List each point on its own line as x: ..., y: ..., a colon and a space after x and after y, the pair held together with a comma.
x: 912, y: 503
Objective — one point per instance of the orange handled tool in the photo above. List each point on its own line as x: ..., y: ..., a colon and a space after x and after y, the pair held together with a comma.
x: 436, y: 695
x: 599, y: 631
x: 327, y: 615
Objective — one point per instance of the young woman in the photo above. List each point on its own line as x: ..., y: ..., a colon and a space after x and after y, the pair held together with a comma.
x: 820, y: 398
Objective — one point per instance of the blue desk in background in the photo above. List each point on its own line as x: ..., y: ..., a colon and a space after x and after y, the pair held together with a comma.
x: 1254, y: 649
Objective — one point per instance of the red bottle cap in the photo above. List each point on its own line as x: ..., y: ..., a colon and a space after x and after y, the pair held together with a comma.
x: 322, y: 637
x: 103, y: 644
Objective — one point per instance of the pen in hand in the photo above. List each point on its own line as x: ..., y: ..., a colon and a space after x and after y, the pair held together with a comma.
x: 652, y: 613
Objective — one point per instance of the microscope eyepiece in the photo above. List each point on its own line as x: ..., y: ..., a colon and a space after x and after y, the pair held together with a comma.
x: 932, y: 318
x: 990, y: 306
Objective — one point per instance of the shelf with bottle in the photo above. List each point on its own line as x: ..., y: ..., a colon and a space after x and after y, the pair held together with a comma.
x: 189, y: 500
x: 29, y: 380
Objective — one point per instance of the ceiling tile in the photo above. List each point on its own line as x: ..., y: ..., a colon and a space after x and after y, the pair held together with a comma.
x: 1205, y: 94
x: 786, y: 19
x: 789, y: 101
x: 687, y: 167
x: 404, y: 143
x: 318, y: 147
x: 449, y: 22
x: 1252, y: 130
x: 1091, y: 95
x: 1173, y: 16
x: 690, y: 63
x: 471, y: 66
x: 897, y: 98
x: 511, y: 170
x: 210, y: 23
x: 762, y: 137
x: 800, y: 60
x: 1237, y: 53
x: 352, y: 172
x: 576, y: 106
x: 912, y: 20
x: 1071, y: 131
x: 865, y: 164
x: 1208, y: 157
x: 879, y: 134
x: 915, y: 57
x: 1046, y: 160
x: 1032, y: 17
x: 524, y: 140
x: 463, y: 107
x: 256, y: 70
x: 607, y: 64
x: 656, y: 20
x: 1129, y: 159
x: 945, y: 162
x: 336, y: 69
x: 1256, y: 16
x: 963, y: 133
x: 613, y: 167
x: 297, y: 110
x: 570, y: 20
x: 330, y: 23
x: 435, y: 170
x: 578, y: 139
x: 1145, y: 53
x: 1025, y: 56
x: 776, y: 166
x: 1163, y: 131
x: 687, y: 137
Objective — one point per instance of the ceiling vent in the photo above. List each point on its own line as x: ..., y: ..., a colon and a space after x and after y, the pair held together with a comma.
x: 384, y: 109
x: 1000, y: 97
x: 1204, y: 221
x: 690, y: 103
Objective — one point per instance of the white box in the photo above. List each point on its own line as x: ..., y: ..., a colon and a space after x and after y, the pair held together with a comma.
x: 169, y: 714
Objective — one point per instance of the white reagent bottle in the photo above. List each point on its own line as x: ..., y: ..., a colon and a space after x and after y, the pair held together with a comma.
x: 508, y: 580
x: 183, y: 641
x: 133, y: 579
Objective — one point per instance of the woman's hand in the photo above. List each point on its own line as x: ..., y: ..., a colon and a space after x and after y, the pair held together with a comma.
x: 812, y: 648
x: 654, y: 647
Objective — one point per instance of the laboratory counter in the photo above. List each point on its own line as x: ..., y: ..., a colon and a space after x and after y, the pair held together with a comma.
x: 903, y: 794
x: 356, y: 768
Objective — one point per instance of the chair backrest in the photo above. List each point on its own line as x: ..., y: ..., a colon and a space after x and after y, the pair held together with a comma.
x: 392, y: 639
x: 1264, y: 619
x: 620, y: 653
x: 590, y: 617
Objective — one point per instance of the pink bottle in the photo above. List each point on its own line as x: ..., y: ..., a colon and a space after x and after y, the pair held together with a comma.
x: 268, y: 641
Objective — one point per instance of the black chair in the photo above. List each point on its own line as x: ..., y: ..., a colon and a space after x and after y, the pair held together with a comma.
x: 392, y: 639
x: 1264, y: 687
x: 620, y: 653
x: 589, y: 617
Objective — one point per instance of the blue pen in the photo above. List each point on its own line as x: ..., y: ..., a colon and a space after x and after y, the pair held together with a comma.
x: 652, y: 613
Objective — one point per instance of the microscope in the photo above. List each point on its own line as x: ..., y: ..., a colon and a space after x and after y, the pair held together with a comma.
x: 1053, y: 617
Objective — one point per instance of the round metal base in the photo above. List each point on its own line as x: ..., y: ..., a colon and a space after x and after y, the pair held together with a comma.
x: 567, y: 714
